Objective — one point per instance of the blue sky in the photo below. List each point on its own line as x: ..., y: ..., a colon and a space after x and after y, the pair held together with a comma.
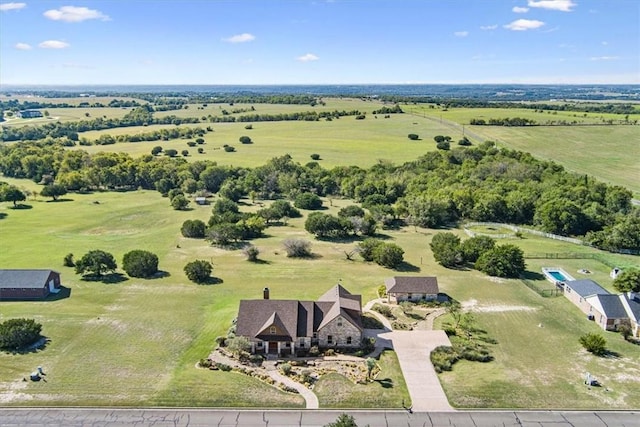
x: 319, y: 41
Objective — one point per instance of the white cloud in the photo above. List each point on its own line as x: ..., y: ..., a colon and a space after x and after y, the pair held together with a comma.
x: 524, y: 24
x: 240, y: 38
x: 604, y: 43
x: 517, y: 9
x: 604, y: 58
x: 23, y: 46
x: 307, y: 58
x: 488, y: 27
x: 561, y: 5
x: 74, y: 14
x: 461, y: 33
x: 53, y: 44
x: 12, y: 6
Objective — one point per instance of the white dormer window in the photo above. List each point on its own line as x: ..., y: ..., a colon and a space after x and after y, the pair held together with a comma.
x: 272, y: 330
x: 340, y: 322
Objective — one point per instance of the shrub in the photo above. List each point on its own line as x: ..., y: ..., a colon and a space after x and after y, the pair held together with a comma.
x: 594, y: 343
x: 156, y: 150
x: 185, y: 153
x: 199, y: 141
x: 382, y: 291
x: 444, y: 145
x: 285, y: 368
x: 315, y: 156
x: 200, y: 150
x: 139, y: 263
x: 221, y: 341
x: 351, y: 211
x: 297, y: 248
x: 68, y: 260
x: 330, y: 352
x: 464, y: 141
x: 171, y: 152
x: 245, y: 140
x: 388, y: 255
x: 205, y: 363
x: 251, y: 252
x: 413, y: 136
x: 367, y: 246
x: 256, y: 359
x: 198, y: 271
x: 191, y: 143
x: 385, y: 310
x: 223, y: 367
x: 229, y: 149
x: 314, y: 351
x: 16, y: 334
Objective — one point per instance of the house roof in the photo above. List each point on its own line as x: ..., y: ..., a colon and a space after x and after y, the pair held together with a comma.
x: 412, y: 284
x: 632, y: 306
x: 293, y: 318
x: 586, y: 287
x: 609, y: 305
x: 24, y: 278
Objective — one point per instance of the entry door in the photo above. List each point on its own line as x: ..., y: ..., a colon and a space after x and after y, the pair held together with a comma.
x: 273, y: 347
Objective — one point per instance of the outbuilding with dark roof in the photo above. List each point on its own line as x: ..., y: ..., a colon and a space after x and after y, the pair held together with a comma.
x: 28, y: 284
x: 412, y: 288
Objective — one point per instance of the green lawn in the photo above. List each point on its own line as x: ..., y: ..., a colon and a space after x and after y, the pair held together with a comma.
x: 387, y: 391
x: 137, y: 342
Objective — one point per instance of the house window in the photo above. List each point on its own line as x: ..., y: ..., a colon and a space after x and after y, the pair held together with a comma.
x: 424, y: 296
x: 339, y: 322
x: 348, y: 340
x: 329, y: 339
x: 301, y: 344
x: 259, y: 345
x: 315, y: 335
x: 409, y: 296
x: 272, y: 330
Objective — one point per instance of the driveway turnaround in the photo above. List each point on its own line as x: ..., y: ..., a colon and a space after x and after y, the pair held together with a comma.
x: 93, y: 417
x: 413, y: 349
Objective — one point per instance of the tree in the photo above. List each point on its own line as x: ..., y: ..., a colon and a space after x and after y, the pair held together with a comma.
x: 297, y: 248
x: 561, y: 216
x: 140, y: 263
x: 350, y: 211
x: 245, y: 140
x: 628, y: 281
x: 371, y: 364
x: 11, y: 193
x: 474, y: 247
x: 54, y: 191
x: 185, y: 153
x: 156, y: 150
x: 198, y: 271
x: 444, y: 145
x: 193, y: 228
x: 446, y: 249
x: 464, y: 142
x: 315, y: 156
x: 96, y: 263
x: 179, y: 202
x: 367, y: 247
x: 170, y: 152
x: 594, y: 343
x: 16, y: 334
x: 343, y: 420
x: 502, y: 261
x: 307, y: 201
x: 388, y: 255
x: 325, y: 225
x: 413, y: 136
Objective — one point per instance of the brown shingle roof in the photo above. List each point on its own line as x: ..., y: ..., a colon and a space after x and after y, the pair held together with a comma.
x: 294, y: 319
x: 412, y: 284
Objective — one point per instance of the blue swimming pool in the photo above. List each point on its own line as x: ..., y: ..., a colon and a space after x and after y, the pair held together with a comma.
x: 556, y: 274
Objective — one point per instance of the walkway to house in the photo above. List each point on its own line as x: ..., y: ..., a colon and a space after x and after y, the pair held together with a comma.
x: 413, y: 349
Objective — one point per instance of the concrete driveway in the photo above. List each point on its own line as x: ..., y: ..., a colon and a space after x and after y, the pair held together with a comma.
x: 413, y: 349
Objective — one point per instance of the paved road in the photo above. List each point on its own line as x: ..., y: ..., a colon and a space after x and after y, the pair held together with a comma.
x: 32, y: 417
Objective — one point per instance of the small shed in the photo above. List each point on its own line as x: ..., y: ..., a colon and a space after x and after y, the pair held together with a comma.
x: 201, y: 200
x: 412, y: 288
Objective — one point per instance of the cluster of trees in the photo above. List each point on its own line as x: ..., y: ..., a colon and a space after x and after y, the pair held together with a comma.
x: 481, y: 252
x: 515, y: 121
x: 350, y: 220
x: 16, y: 334
x: 388, y: 255
x: 389, y: 110
x: 16, y: 105
x: 628, y: 280
x: 97, y: 263
x: 478, y: 183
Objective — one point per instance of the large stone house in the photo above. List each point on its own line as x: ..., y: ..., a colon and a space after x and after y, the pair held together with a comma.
x: 275, y: 326
x: 28, y: 284
x: 608, y: 310
x: 411, y: 288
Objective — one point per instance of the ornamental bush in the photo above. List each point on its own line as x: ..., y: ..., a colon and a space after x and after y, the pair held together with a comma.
x: 139, y: 263
x: 16, y: 334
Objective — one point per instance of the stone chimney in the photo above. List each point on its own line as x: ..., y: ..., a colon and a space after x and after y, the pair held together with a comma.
x: 265, y: 293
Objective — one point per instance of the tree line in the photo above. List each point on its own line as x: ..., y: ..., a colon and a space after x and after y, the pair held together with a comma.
x: 440, y: 188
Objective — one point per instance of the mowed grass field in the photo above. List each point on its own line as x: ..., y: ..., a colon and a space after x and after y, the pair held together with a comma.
x: 341, y: 142
x: 137, y: 342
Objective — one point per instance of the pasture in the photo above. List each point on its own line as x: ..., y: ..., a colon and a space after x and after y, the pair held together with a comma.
x: 136, y: 342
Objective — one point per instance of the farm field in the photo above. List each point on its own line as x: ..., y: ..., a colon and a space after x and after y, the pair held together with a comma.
x: 169, y: 323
